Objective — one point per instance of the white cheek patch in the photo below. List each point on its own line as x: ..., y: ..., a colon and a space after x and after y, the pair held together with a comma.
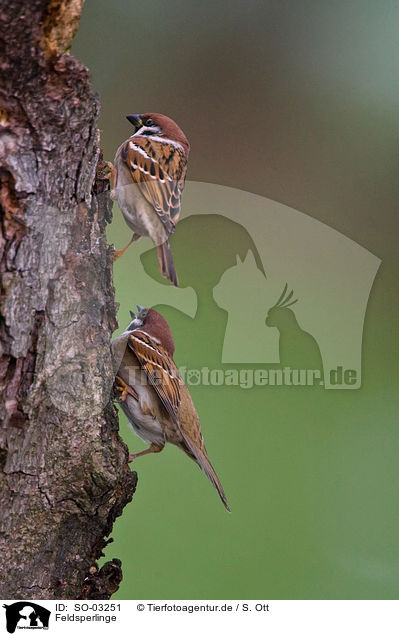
x: 145, y: 130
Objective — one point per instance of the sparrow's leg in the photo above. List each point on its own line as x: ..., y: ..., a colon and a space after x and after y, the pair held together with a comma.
x: 112, y: 175
x: 125, y: 389
x: 118, y: 253
x: 151, y: 449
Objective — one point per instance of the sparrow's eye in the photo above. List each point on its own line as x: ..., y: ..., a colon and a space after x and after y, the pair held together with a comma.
x: 149, y: 122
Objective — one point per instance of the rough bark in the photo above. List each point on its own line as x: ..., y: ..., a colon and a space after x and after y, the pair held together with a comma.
x: 64, y: 475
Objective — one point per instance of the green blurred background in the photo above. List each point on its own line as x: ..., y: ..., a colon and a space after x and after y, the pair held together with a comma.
x: 296, y: 101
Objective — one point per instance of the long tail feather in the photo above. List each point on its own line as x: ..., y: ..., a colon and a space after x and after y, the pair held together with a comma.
x: 166, y: 265
x: 204, y: 463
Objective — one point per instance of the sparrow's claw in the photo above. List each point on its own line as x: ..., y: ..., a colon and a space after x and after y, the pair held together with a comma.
x: 151, y: 449
x: 118, y: 253
x: 109, y: 167
x: 111, y: 173
x: 125, y: 389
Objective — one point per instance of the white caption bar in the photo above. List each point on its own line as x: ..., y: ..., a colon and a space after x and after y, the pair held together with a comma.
x: 275, y: 618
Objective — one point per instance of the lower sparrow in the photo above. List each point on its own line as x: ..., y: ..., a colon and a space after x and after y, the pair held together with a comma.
x: 153, y: 396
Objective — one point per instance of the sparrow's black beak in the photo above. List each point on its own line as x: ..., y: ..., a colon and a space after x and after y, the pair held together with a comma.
x: 135, y: 120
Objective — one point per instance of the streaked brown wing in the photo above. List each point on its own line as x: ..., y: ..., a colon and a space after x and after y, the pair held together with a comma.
x: 160, y: 369
x: 159, y: 170
x: 189, y: 420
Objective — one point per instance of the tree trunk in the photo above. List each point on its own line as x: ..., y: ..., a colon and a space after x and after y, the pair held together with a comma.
x: 64, y: 476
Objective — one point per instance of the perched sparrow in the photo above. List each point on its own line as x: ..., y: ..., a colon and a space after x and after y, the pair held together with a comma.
x: 153, y: 395
x: 148, y: 179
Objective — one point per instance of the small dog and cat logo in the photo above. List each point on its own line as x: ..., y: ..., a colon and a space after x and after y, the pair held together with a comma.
x: 26, y: 615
